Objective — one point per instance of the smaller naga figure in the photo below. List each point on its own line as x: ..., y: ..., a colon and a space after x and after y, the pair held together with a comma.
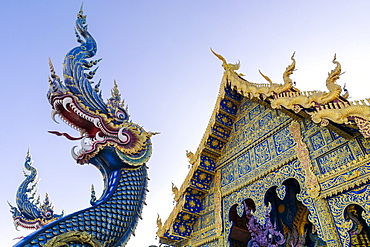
x: 110, y: 141
x: 30, y: 213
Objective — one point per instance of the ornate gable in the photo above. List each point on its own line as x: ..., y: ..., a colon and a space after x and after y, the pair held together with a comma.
x: 258, y: 132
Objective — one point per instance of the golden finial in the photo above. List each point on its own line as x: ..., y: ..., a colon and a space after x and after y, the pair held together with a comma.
x: 191, y: 157
x: 175, y: 190
x: 334, y: 75
x: 225, y: 64
x: 159, y: 222
x: 290, y: 69
x: 189, y: 154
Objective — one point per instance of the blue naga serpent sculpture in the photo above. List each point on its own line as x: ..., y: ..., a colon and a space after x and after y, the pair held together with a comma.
x: 109, y: 141
x: 30, y: 213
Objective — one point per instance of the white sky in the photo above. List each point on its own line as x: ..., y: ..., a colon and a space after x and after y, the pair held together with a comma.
x: 158, y: 51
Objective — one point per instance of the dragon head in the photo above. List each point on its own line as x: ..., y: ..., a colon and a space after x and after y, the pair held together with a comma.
x: 78, y: 102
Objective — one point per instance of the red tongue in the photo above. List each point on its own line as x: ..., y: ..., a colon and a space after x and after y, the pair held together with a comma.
x: 66, y: 135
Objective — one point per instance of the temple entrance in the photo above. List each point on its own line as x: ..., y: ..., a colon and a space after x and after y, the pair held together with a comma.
x: 239, y: 235
x: 286, y: 225
x: 360, y: 232
x: 291, y: 217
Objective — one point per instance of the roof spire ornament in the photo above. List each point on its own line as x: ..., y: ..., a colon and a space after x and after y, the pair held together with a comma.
x: 175, y: 192
x: 227, y: 66
x: 334, y: 75
x: 266, y: 77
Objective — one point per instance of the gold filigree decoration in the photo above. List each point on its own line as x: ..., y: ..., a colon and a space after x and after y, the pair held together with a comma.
x: 340, y: 112
x: 204, y: 236
x: 227, y: 66
x: 218, y: 202
x: 311, y: 181
x: 192, y: 158
x: 250, y: 89
x: 175, y: 192
x: 351, y: 175
x: 364, y: 126
x: 289, y: 100
x: 139, y: 141
x: 338, y: 205
x: 74, y: 236
x: 159, y: 225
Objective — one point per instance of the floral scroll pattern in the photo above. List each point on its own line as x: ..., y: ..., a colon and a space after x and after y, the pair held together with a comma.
x: 338, y: 204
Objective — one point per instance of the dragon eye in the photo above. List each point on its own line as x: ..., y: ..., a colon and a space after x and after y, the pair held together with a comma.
x: 120, y: 115
x: 123, y: 136
x: 48, y: 214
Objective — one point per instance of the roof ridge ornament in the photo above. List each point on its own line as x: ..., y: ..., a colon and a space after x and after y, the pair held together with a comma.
x: 227, y: 66
x: 266, y: 77
x: 334, y: 75
x: 288, y: 83
x: 296, y: 101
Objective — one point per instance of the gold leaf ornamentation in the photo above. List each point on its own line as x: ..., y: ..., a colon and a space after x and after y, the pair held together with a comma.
x: 74, y: 236
x: 338, y: 205
x: 311, y: 181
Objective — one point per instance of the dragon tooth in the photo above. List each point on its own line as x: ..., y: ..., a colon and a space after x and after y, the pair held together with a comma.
x: 66, y: 101
x: 98, y: 137
x: 96, y: 121
x: 53, y: 114
x: 73, y: 153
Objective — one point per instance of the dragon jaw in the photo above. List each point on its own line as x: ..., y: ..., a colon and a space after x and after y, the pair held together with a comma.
x: 97, y: 132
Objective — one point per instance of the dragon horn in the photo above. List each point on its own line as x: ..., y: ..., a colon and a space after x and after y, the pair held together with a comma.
x: 51, y: 67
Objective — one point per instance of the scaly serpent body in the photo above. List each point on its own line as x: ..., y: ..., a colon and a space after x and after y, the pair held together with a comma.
x: 109, y: 141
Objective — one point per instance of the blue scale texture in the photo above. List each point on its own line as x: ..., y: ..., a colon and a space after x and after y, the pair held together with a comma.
x: 110, y: 220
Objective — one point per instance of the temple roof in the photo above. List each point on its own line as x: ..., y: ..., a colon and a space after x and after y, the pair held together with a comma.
x: 330, y: 109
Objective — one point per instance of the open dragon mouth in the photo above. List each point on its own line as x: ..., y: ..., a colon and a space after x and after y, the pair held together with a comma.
x: 92, y: 128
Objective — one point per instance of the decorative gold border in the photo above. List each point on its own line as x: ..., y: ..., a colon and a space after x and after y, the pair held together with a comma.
x: 73, y: 236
